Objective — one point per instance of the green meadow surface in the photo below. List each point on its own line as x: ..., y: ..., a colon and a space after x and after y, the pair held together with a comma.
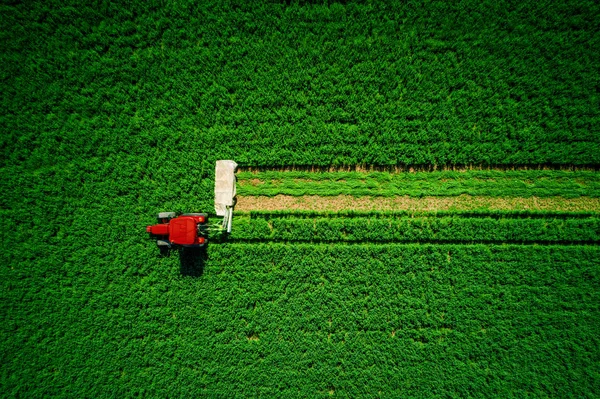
x: 306, y: 320
x: 489, y: 183
x: 111, y: 113
x: 271, y: 84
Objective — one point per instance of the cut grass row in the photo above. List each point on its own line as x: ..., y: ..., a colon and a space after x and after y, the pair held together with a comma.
x: 490, y: 183
x: 442, y: 229
x: 378, y: 214
x: 345, y: 203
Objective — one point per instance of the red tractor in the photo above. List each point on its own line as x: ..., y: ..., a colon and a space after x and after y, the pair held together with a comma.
x: 187, y: 230
x: 191, y: 229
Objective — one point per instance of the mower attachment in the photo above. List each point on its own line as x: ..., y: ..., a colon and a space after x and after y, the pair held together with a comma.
x: 225, y: 191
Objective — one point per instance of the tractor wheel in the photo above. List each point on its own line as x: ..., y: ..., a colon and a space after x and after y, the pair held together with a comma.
x: 164, y: 217
x: 163, y: 244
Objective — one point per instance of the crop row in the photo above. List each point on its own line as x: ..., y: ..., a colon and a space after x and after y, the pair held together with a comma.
x: 520, y: 183
x: 422, y: 229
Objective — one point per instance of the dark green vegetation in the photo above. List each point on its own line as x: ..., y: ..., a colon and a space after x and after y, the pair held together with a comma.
x: 440, y: 82
x: 109, y: 114
x: 489, y: 183
x: 308, y: 319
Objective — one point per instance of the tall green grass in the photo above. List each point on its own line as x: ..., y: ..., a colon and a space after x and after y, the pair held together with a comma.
x: 304, y: 320
x: 271, y: 84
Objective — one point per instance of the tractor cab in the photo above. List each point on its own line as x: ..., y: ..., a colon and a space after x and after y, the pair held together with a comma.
x: 187, y: 230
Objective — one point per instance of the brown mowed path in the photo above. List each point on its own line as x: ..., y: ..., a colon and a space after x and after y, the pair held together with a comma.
x: 406, y: 203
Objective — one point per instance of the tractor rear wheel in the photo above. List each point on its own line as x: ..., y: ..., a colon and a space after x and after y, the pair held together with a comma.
x: 164, y: 217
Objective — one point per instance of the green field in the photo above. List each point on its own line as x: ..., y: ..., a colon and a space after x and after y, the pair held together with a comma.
x: 112, y: 113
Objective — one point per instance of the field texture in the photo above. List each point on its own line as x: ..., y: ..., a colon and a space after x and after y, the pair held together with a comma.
x: 111, y: 113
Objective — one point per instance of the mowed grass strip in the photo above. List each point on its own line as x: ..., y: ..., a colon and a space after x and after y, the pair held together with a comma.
x: 420, y: 229
x: 489, y: 183
x: 406, y: 203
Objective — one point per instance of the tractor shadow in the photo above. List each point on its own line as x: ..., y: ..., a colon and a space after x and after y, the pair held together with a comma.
x: 192, y: 260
